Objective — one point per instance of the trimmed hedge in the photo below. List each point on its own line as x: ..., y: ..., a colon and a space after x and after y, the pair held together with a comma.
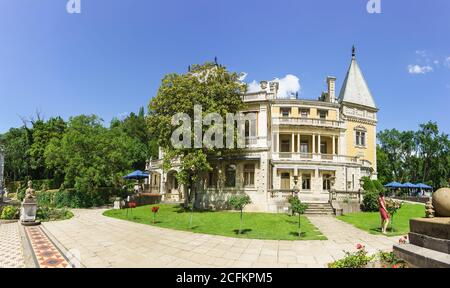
x: 71, y: 198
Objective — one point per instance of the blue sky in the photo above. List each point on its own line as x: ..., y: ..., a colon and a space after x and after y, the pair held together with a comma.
x: 109, y: 59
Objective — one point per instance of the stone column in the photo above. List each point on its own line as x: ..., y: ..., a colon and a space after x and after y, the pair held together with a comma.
x: 334, y: 145
x: 314, y: 143
x: 318, y: 144
x: 293, y: 143
x: 298, y: 142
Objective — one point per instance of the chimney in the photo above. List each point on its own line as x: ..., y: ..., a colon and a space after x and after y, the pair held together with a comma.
x: 331, y: 81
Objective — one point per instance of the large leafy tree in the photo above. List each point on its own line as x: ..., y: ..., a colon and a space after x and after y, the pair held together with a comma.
x: 135, y: 126
x: 90, y: 155
x: 214, y: 88
x: 415, y: 156
x: 16, y: 143
x: 42, y: 133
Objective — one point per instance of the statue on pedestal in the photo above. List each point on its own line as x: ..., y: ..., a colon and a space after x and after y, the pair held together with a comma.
x: 29, y: 206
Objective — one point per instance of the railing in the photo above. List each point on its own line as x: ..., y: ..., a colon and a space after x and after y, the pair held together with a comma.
x: 254, y: 97
x: 346, y: 195
x: 281, y: 194
x: 316, y: 157
x: 307, y: 121
x: 255, y: 141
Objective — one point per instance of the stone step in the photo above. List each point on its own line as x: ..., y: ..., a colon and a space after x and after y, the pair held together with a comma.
x: 422, y: 257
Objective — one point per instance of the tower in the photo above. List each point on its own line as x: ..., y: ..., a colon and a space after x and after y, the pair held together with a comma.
x: 360, y: 113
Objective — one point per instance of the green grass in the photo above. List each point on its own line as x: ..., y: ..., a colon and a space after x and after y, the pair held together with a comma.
x: 371, y: 221
x: 255, y: 225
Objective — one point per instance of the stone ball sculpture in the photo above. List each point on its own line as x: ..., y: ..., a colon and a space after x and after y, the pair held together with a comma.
x: 441, y: 202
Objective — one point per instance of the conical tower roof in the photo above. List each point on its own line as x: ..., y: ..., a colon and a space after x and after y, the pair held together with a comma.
x: 354, y: 89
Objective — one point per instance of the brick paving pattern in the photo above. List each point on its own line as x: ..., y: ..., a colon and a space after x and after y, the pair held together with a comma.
x: 11, y: 253
x: 47, y: 255
x: 107, y: 242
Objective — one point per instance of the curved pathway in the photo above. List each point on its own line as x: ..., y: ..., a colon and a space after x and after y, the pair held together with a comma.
x: 100, y: 241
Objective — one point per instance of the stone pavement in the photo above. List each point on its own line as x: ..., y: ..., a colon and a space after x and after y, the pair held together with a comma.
x: 11, y: 252
x: 101, y: 241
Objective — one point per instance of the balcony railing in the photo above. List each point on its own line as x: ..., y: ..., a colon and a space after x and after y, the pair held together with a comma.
x: 307, y: 122
x: 254, y: 97
x: 317, y: 157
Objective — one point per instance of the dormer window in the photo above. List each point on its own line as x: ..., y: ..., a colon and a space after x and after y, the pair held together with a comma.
x: 304, y: 113
x: 322, y: 114
x: 285, y: 112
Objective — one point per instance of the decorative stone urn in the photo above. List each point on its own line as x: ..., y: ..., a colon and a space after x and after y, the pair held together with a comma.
x: 28, y: 208
x: 441, y: 202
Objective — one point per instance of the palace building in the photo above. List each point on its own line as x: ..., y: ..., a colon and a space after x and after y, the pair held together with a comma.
x: 316, y: 149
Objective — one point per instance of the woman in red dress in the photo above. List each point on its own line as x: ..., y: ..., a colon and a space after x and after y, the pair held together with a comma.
x: 383, y: 212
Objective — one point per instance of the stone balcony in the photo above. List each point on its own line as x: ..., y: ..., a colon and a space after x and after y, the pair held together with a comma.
x: 308, y: 122
x: 329, y: 158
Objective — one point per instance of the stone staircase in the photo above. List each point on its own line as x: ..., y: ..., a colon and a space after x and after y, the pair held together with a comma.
x: 316, y: 208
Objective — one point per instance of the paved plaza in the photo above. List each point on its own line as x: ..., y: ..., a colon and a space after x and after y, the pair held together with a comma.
x: 11, y: 251
x: 99, y: 241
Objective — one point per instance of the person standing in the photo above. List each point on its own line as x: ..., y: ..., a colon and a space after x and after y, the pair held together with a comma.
x: 383, y: 212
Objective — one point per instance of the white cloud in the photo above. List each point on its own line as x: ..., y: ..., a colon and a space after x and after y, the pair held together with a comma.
x: 447, y: 62
x: 416, y: 69
x: 253, y: 87
x: 289, y: 85
x: 422, y: 53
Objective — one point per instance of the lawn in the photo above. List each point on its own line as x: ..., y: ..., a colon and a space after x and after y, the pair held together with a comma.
x: 370, y: 221
x: 255, y: 226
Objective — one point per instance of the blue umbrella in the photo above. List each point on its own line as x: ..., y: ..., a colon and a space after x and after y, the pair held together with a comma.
x: 423, y: 186
x: 394, y: 185
x: 409, y: 185
x: 138, y: 174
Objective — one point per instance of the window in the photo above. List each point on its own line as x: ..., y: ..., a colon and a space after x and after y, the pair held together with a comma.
x: 230, y: 176
x: 304, y: 147
x: 323, y: 148
x: 360, y: 138
x: 212, y: 179
x: 322, y: 114
x: 306, y: 182
x: 250, y: 124
x: 285, y: 181
x: 304, y: 113
x: 249, y: 175
x: 285, y: 146
x: 327, y: 182
x: 285, y: 112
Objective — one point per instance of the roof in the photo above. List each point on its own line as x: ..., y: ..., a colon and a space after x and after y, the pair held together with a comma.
x: 354, y: 89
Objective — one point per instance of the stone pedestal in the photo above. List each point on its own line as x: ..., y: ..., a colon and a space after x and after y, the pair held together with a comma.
x: 119, y: 203
x: 429, y: 245
x: 28, y: 212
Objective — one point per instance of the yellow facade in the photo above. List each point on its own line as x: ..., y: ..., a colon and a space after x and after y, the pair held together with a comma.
x: 369, y: 151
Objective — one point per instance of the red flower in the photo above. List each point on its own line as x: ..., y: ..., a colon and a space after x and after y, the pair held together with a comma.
x: 155, y: 209
x: 395, y: 266
x: 359, y: 246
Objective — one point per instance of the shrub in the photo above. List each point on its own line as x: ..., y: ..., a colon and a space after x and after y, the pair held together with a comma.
x: 10, y: 213
x: 368, y: 184
x: 378, y: 186
x: 53, y: 214
x: 370, y: 202
x: 358, y: 259
x: 45, y: 198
